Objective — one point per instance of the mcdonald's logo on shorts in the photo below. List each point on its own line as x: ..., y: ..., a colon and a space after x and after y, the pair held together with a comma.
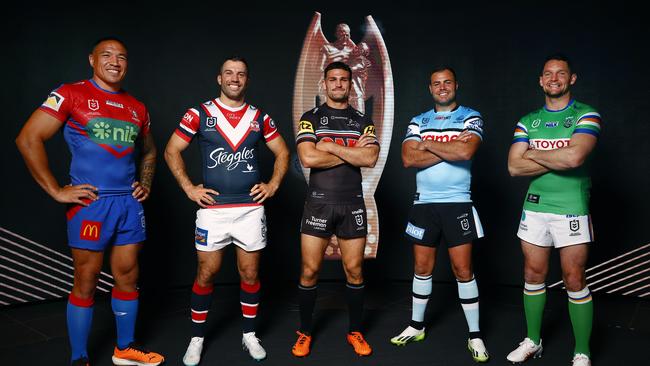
x: 90, y: 230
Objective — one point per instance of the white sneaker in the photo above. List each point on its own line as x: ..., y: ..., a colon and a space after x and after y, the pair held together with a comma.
x: 409, y: 334
x: 580, y: 359
x: 252, y: 344
x: 477, y: 348
x: 527, y: 349
x: 193, y: 354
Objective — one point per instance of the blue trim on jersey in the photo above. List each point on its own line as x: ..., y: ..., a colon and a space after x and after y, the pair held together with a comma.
x: 521, y: 139
x: 560, y: 110
x: 102, y: 89
x: 587, y: 131
x: 589, y: 116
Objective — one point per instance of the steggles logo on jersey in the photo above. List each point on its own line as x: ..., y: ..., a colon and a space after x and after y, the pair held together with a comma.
x: 219, y: 156
x: 112, y: 132
x: 93, y: 104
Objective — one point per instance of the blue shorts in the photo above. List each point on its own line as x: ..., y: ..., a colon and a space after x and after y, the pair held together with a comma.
x: 116, y: 220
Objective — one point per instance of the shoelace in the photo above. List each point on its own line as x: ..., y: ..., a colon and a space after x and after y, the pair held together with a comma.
x: 302, y: 339
x: 138, y: 348
x: 358, y: 337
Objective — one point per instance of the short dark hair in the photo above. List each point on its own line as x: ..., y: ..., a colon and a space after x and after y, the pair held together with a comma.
x: 440, y: 68
x: 558, y: 56
x: 235, y: 58
x: 337, y: 65
x: 107, y: 38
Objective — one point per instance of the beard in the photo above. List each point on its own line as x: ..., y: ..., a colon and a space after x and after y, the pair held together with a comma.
x: 446, y: 103
x: 234, y: 95
x: 558, y: 94
x: 339, y: 99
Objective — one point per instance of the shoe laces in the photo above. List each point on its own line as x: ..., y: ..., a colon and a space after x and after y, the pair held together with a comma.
x: 358, y: 337
x: 580, y: 356
x: 302, y: 338
x: 138, y: 348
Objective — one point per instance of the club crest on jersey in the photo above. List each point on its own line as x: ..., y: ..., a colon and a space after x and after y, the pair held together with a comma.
x: 568, y: 122
x: 93, y: 104
x: 255, y: 126
x: 210, y: 122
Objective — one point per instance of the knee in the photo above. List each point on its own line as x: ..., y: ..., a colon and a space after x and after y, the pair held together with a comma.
x: 85, y: 282
x: 205, y: 276
x: 353, y: 272
x: 422, y: 269
x: 462, y: 273
x: 574, y: 280
x: 309, y: 275
x: 248, y: 275
x: 535, y: 274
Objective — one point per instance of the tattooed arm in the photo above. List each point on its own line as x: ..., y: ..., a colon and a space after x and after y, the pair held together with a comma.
x: 147, y: 169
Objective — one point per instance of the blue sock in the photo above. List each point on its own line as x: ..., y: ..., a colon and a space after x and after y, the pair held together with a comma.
x: 125, y: 308
x: 468, y: 294
x: 79, y: 319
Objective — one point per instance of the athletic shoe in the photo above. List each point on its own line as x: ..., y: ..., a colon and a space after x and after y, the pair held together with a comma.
x: 580, y: 359
x: 527, y: 349
x: 361, y: 347
x: 251, y: 343
x: 301, y: 348
x: 477, y: 348
x: 409, y: 334
x: 193, y: 354
x: 137, y: 356
x: 80, y: 362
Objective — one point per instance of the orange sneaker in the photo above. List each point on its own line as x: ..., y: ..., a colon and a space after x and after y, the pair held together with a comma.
x: 301, y: 348
x: 137, y: 356
x: 361, y: 347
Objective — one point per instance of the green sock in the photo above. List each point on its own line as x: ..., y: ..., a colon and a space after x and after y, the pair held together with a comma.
x: 581, y: 312
x: 534, y: 301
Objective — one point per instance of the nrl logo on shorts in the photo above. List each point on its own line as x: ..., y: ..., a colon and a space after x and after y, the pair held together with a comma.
x: 93, y: 104
x: 211, y: 122
x: 358, y: 219
x: 464, y: 224
x: 574, y: 225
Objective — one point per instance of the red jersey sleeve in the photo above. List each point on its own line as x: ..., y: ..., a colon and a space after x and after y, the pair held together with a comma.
x: 189, y: 125
x: 269, y: 129
x: 59, y: 103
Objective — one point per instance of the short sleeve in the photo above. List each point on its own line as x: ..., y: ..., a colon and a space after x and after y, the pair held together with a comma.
x: 189, y: 125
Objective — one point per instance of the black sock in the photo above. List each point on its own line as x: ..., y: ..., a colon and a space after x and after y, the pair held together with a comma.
x: 307, y: 297
x: 354, y: 294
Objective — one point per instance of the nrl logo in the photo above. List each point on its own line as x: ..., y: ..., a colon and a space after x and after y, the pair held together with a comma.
x: 93, y: 104
x: 211, y: 122
x: 371, y: 93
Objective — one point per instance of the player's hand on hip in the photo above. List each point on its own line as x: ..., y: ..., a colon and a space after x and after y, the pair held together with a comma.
x: 262, y: 191
x: 80, y: 194
x: 141, y: 192
x: 201, y: 195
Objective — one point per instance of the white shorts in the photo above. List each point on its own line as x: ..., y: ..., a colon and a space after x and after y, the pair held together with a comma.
x: 553, y: 230
x: 218, y: 227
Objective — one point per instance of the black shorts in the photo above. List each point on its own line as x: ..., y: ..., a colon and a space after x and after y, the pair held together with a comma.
x: 346, y: 221
x: 431, y: 223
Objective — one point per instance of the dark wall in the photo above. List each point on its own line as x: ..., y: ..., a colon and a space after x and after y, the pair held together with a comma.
x: 497, y: 51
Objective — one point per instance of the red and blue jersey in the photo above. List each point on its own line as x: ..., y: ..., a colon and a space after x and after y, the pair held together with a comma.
x: 101, y: 128
x: 228, y: 139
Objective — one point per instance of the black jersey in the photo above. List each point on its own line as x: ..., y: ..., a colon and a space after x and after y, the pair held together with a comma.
x: 341, y: 183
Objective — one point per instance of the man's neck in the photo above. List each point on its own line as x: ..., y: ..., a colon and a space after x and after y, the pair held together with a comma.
x: 558, y: 103
x: 232, y: 103
x: 108, y: 87
x: 337, y: 105
x: 446, y: 108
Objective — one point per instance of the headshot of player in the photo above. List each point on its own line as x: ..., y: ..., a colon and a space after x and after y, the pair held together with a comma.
x: 337, y: 79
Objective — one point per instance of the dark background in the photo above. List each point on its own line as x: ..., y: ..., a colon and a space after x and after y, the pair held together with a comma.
x: 497, y: 50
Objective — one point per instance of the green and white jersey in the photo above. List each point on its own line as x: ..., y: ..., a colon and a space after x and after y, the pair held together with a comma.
x: 560, y: 192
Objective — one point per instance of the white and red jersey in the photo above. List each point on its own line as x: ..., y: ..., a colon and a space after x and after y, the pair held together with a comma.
x: 100, y: 129
x: 228, y: 139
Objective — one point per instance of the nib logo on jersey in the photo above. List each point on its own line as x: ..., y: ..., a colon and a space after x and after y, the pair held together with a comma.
x: 118, y: 137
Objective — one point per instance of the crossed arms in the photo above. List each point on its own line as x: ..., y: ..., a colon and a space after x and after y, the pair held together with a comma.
x: 327, y: 154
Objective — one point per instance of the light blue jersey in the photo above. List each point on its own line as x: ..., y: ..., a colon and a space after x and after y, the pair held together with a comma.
x: 447, y: 181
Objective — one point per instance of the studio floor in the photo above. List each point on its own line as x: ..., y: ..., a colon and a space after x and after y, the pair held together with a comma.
x: 35, y: 334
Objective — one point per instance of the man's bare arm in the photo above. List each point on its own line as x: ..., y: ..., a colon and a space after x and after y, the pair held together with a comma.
x: 565, y: 158
x: 174, y: 159
x: 363, y: 154
x: 311, y: 157
x: 519, y: 166
x: 262, y: 191
x: 147, y: 169
x: 39, y: 128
